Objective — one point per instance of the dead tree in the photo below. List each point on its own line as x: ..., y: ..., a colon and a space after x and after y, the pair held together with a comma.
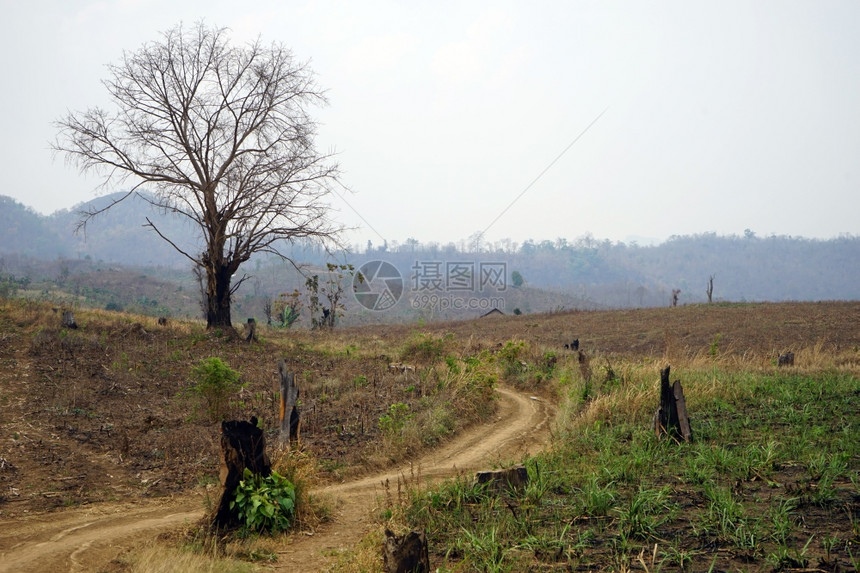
x: 267, y: 310
x: 243, y: 445
x: 221, y: 135
x: 671, y: 416
x: 289, y: 414
x: 406, y: 554
x: 675, y: 293
x: 710, y: 290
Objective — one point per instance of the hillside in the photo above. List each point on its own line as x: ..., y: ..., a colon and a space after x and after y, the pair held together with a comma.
x: 25, y: 232
x: 585, y: 274
x: 117, y: 235
x: 107, y: 412
x: 111, y: 398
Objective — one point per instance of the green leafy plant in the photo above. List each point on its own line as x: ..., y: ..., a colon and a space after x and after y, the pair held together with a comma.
x: 287, y: 308
x: 645, y: 511
x: 215, y: 382
x: 596, y: 499
x: 513, y: 368
x: 265, y: 504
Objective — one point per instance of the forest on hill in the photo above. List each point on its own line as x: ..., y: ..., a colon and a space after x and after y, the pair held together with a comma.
x: 534, y: 276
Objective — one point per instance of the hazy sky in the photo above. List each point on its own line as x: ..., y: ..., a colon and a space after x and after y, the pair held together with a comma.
x: 719, y: 116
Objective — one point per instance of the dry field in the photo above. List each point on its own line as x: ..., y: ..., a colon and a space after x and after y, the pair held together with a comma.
x: 105, y: 412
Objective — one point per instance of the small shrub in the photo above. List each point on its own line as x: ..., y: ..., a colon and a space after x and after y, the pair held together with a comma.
x: 425, y: 348
x: 391, y: 424
x: 714, y: 348
x: 453, y: 367
x: 513, y: 367
x: 215, y: 382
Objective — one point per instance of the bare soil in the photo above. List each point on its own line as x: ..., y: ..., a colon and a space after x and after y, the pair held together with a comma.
x: 98, y: 434
x: 88, y: 538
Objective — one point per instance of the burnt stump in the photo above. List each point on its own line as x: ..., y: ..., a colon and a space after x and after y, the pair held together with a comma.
x: 243, y: 445
x: 406, y: 554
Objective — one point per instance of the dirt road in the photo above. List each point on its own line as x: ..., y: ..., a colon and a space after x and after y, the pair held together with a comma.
x: 87, y: 538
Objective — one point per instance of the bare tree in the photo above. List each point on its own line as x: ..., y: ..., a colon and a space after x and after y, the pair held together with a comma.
x: 219, y: 135
x: 710, y: 289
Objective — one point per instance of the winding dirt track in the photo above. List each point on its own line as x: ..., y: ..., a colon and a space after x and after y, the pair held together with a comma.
x: 87, y: 538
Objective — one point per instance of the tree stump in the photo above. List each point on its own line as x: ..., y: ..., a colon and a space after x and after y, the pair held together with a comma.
x: 584, y: 366
x: 515, y: 478
x: 243, y: 445
x: 69, y: 319
x: 289, y: 414
x: 251, y: 330
x: 671, y: 416
x: 406, y: 554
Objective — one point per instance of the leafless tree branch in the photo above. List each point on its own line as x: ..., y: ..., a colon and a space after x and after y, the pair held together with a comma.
x: 219, y: 135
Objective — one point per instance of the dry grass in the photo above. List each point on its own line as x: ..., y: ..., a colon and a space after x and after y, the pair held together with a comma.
x: 301, y: 468
x: 165, y: 558
x: 90, y: 380
x: 364, y: 557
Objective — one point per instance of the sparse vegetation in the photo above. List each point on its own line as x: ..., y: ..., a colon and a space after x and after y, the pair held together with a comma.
x: 770, y: 482
x: 732, y: 498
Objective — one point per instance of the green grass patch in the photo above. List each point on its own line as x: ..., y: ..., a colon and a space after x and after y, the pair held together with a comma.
x: 774, y: 464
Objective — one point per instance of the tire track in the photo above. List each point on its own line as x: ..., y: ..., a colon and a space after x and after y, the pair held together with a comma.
x: 85, y: 539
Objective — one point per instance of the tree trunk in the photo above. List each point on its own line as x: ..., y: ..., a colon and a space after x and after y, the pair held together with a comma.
x: 289, y: 415
x: 251, y: 330
x: 501, y: 481
x: 218, y: 296
x: 69, y: 319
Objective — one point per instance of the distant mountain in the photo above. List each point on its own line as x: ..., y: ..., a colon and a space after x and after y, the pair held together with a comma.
x: 585, y: 273
x: 117, y: 235
x: 25, y: 232
x: 606, y: 274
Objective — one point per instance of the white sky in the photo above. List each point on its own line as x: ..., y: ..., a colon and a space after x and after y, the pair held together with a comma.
x: 720, y: 116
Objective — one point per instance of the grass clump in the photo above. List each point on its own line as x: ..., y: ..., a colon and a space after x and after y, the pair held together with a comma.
x: 161, y: 558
